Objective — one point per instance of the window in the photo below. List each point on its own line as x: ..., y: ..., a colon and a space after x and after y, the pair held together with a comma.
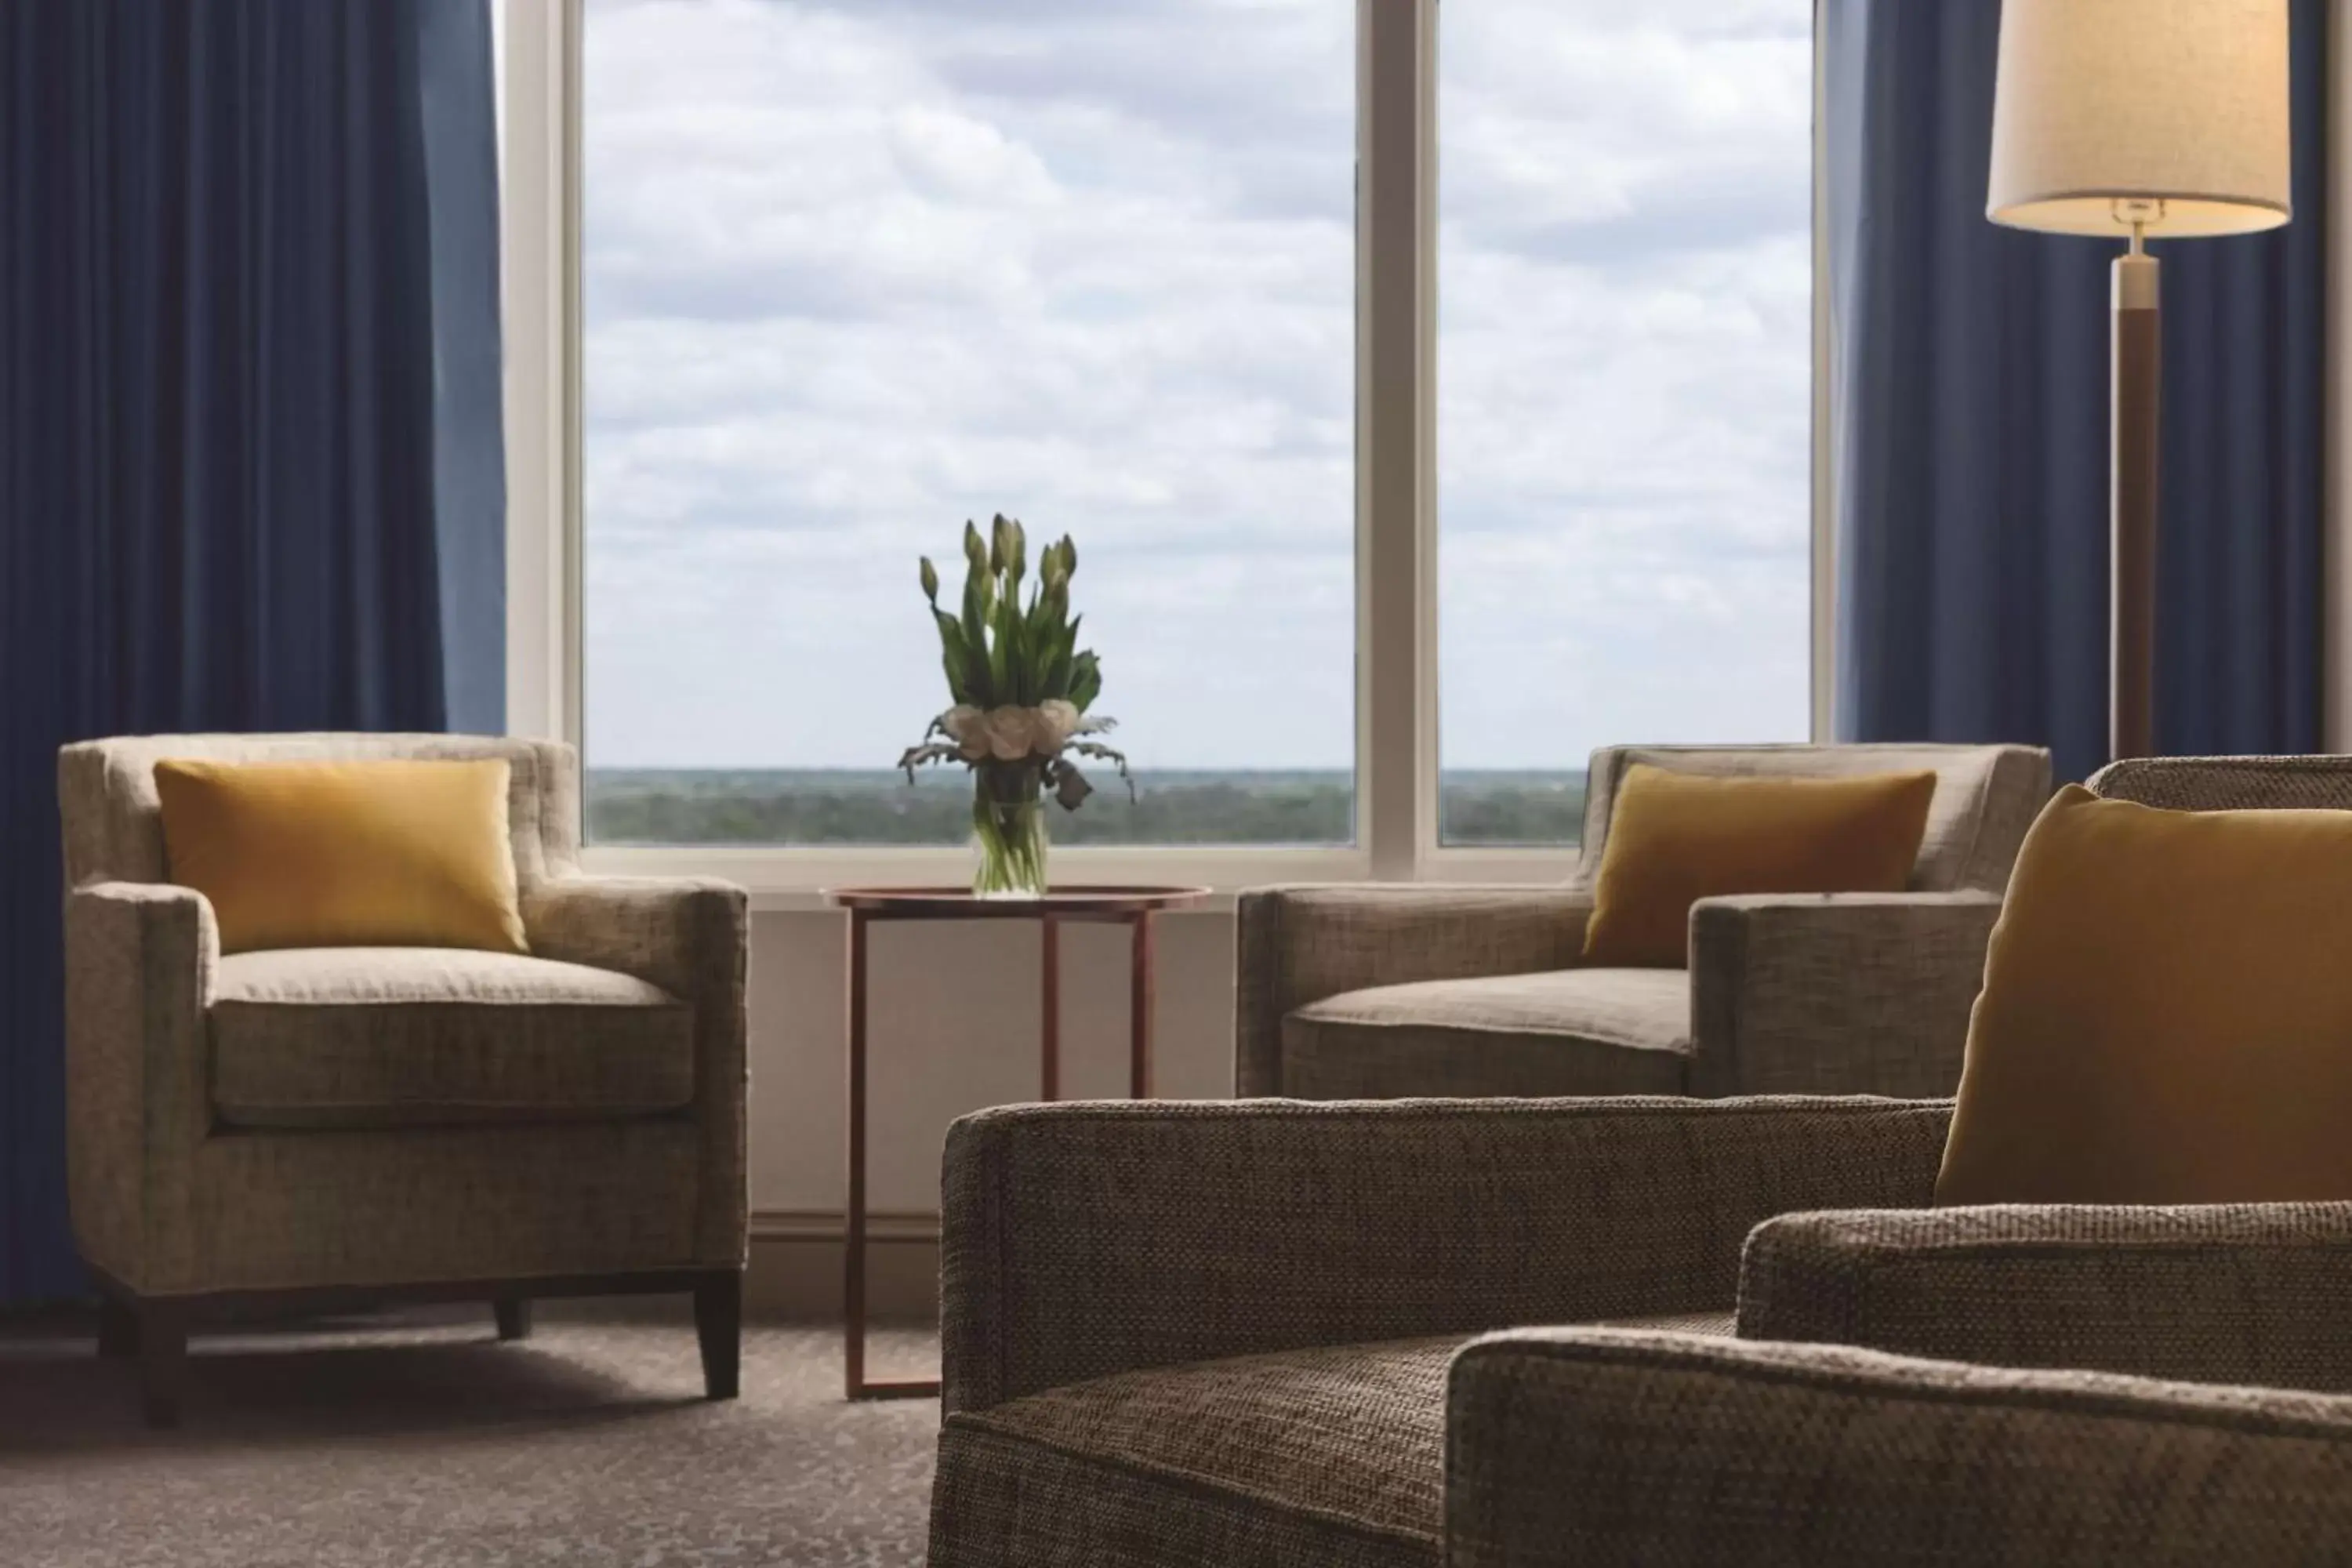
x: 1159, y: 273
x: 854, y: 271
x: 1624, y: 390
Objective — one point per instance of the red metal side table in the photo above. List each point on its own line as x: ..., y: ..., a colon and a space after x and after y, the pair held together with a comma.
x: 1132, y: 907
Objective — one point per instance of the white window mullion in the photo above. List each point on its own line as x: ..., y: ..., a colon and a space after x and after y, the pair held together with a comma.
x: 1824, y: 516
x: 539, y: 153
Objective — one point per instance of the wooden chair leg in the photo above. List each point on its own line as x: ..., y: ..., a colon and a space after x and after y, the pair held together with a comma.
x: 118, y: 1330
x: 162, y: 1360
x: 718, y: 1326
x: 514, y: 1317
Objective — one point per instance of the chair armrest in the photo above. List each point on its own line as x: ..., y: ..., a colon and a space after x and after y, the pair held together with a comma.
x: 1080, y: 1240
x: 1573, y: 1446
x: 140, y: 961
x: 2247, y: 1293
x: 1835, y: 993
x: 690, y: 936
x: 684, y: 934
x: 1300, y: 944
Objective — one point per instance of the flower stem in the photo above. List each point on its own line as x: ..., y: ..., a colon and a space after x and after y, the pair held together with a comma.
x: 1008, y: 829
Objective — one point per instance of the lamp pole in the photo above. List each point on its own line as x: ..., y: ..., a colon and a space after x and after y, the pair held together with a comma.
x: 2137, y: 388
x: 2115, y: 117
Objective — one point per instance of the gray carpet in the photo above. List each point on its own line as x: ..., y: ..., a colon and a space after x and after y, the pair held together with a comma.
x: 419, y: 1440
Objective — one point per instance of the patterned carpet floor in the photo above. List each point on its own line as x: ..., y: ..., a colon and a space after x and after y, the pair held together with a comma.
x: 418, y: 1439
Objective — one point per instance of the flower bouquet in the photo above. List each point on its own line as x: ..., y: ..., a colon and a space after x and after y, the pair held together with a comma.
x: 1021, y: 688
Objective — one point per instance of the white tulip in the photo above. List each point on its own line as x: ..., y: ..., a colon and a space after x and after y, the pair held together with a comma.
x: 1009, y: 733
x: 1057, y: 721
x: 967, y: 726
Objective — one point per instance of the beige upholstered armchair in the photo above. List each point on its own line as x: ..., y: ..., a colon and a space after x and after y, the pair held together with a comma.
x: 295, y: 1127
x: 1387, y: 992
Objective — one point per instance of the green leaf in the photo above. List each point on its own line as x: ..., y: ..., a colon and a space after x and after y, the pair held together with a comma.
x: 975, y: 610
x: 953, y: 657
x: 1003, y: 685
x: 1086, y: 679
x: 1023, y: 660
x: 1055, y: 658
x: 930, y: 581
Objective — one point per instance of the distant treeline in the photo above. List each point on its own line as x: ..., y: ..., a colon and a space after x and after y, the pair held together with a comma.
x: 845, y: 806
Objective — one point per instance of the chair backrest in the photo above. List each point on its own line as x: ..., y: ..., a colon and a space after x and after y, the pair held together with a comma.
x: 2229, y: 784
x: 114, y: 827
x: 1986, y: 796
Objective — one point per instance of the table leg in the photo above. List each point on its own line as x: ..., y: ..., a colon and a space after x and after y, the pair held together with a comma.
x: 853, y: 1253
x: 1138, y: 1076
x: 852, y: 1281
x: 1050, y: 1042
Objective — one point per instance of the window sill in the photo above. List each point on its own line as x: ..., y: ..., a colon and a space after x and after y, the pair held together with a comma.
x: 784, y: 880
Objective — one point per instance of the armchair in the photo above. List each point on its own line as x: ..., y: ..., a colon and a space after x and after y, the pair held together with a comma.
x: 1179, y: 1333
x: 1386, y: 992
x: 1579, y: 1446
x: 1251, y: 1333
x: 292, y: 1129
x: 1236, y: 1333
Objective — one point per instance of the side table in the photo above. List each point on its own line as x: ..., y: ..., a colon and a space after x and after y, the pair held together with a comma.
x: 1132, y: 907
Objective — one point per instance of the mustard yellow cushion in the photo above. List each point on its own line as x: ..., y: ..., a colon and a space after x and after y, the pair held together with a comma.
x: 2166, y: 1013
x: 1675, y: 838
x: 375, y: 854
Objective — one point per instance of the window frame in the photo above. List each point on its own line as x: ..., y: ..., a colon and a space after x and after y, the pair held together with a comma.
x: 1396, y: 500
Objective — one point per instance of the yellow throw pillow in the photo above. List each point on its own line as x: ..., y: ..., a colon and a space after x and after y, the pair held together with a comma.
x: 1675, y: 838
x: 375, y: 853
x: 2166, y: 1013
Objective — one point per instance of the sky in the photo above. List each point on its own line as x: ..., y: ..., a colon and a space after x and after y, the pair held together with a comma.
x: 856, y: 271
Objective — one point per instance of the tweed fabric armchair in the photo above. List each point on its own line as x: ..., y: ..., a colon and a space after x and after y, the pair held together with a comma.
x: 296, y: 1127
x: 2230, y: 784
x: 1255, y: 1333
x: 1576, y: 1446
x: 1181, y: 1334
x: 1385, y: 992
x: 1250, y: 1334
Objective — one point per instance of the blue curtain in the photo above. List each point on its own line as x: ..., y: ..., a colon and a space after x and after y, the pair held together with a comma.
x: 1969, y: 426
x: 250, y: 455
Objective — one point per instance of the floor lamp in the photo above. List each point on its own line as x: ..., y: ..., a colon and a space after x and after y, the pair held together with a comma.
x: 2139, y: 119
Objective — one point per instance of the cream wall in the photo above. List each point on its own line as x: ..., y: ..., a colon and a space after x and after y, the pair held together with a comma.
x: 955, y: 1024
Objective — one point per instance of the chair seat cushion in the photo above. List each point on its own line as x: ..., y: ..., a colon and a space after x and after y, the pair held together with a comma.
x: 406, y: 1036
x: 1569, y: 1031
x: 1325, y: 1455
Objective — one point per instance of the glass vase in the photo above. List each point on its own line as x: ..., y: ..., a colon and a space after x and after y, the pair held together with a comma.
x: 1008, y: 832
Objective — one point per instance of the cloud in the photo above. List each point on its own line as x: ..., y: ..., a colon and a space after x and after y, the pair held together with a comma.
x: 854, y: 271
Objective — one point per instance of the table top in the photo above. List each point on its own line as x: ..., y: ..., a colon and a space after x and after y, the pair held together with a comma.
x: 963, y: 904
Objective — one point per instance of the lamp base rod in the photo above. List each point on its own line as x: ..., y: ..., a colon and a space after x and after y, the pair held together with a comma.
x: 2136, y: 391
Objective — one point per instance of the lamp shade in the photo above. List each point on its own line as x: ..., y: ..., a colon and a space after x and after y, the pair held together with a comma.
x: 2181, y: 102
